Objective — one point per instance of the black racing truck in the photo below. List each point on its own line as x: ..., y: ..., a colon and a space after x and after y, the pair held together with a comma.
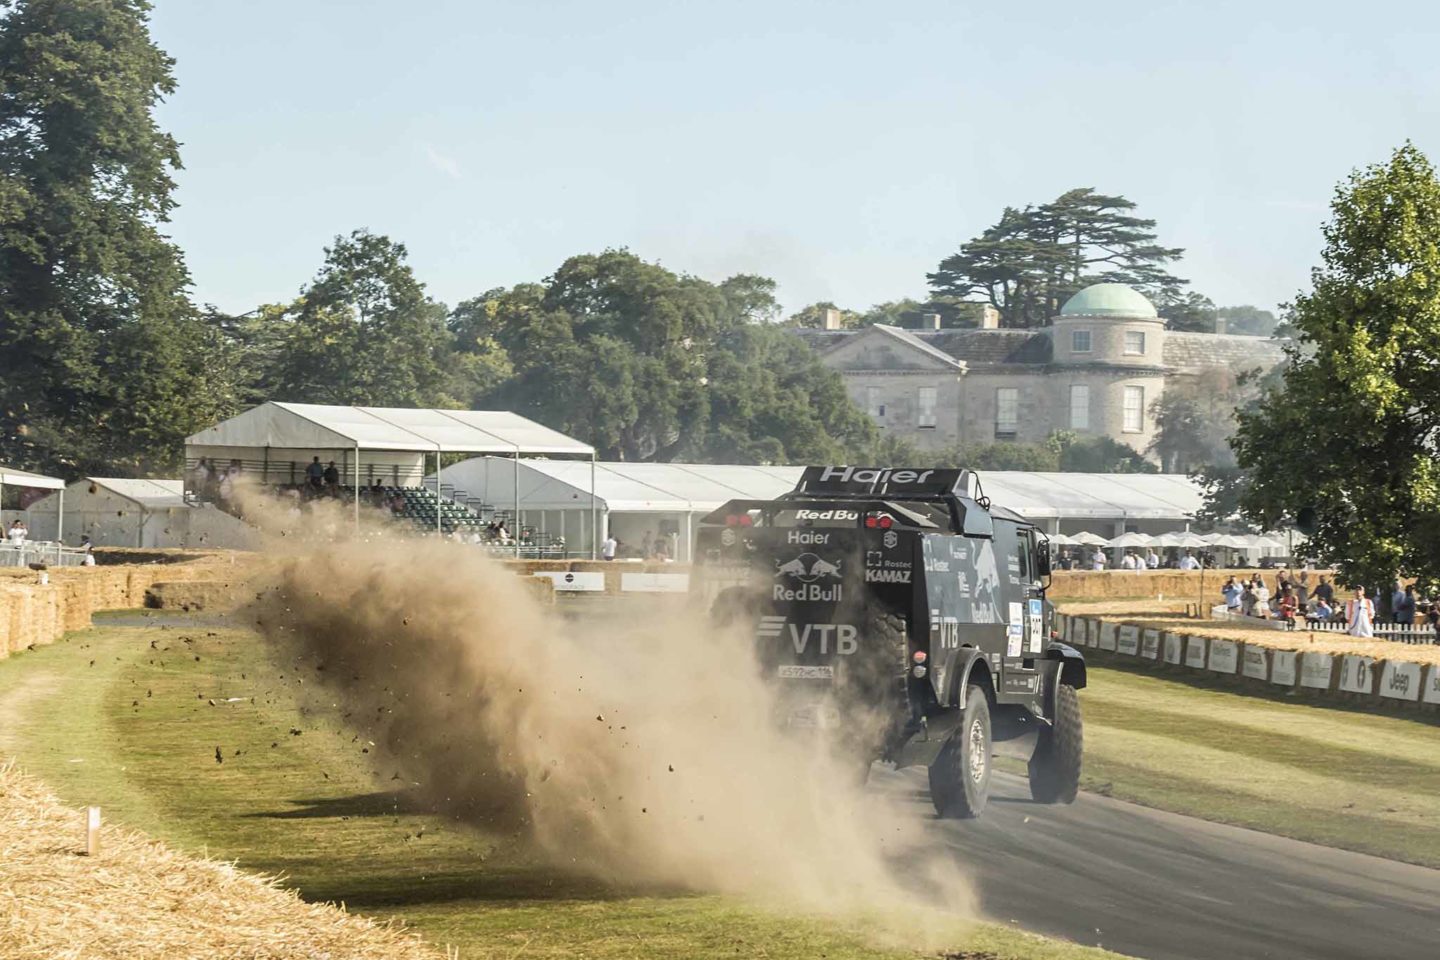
x: 904, y: 617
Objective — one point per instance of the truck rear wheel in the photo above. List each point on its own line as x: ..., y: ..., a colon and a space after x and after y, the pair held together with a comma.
x: 1055, y: 766
x: 960, y: 776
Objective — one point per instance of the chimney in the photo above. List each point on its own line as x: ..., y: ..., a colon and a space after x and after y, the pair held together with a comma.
x: 832, y: 319
x: 989, y: 317
x: 929, y: 321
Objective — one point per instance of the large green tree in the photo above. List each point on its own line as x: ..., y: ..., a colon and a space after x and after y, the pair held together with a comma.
x: 1034, y: 258
x: 363, y: 332
x: 1352, y: 431
x: 104, y: 362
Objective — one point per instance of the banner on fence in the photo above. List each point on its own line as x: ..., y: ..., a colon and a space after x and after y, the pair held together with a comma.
x: 1432, y: 685
x: 1357, y: 674
x: 1174, y: 648
x: 1400, y: 681
x: 1195, y: 652
x: 1150, y: 645
x: 1128, y: 641
x: 1283, y: 667
x: 1253, y: 662
x: 576, y: 582
x: 1107, y: 636
x: 654, y: 582
x: 1315, y: 670
x: 1224, y: 656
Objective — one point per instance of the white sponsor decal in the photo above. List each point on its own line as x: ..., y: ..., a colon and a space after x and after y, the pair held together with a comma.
x: 887, y: 475
x: 1036, y: 609
x: 1016, y: 628
x: 1282, y: 667
x: 807, y: 538
x: 570, y: 581
x: 1315, y: 669
x: 1128, y: 642
x: 1174, y: 648
x: 1012, y: 645
x: 794, y: 671
x: 1253, y: 663
x: 887, y: 576
x: 655, y: 582
x: 826, y: 515
x: 1357, y: 674
x: 840, y: 638
x: 1224, y: 656
x: 1150, y: 645
x: 1432, y: 685
x: 728, y: 537
x: 937, y: 566
x: 807, y: 568
x: 1107, y: 636
x: 890, y: 539
x: 1400, y: 681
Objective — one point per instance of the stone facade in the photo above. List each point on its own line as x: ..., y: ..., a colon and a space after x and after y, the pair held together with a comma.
x: 1096, y: 370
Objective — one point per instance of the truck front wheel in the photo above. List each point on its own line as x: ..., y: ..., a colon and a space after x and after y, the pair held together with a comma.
x: 960, y: 776
x: 1055, y: 765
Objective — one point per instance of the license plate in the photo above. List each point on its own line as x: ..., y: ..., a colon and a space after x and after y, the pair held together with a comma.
x: 791, y: 671
x: 813, y: 718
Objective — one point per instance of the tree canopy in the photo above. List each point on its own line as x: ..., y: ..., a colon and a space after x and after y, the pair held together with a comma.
x: 1035, y: 258
x: 1353, y: 428
x: 105, y: 361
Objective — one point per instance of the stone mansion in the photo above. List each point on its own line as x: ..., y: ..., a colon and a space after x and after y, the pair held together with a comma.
x: 1095, y: 370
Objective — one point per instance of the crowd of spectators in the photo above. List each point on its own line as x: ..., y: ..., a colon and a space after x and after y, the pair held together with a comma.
x: 1295, y: 600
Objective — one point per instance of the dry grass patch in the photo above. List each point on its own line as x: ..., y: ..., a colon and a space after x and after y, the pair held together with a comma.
x: 141, y: 899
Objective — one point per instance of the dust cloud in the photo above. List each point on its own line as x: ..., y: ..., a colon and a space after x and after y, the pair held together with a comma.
x: 637, y: 748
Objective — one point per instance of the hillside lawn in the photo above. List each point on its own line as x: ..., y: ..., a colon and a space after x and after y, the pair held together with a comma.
x: 121, y: 716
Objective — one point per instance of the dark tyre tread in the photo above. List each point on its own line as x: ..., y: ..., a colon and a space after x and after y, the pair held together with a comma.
x: 954, y: 792
x: 1055, y: 766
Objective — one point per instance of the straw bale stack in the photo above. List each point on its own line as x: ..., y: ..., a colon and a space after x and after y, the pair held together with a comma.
x: 139, y: 899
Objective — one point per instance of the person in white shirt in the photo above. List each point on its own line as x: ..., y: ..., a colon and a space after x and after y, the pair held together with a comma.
x: 607, y: 549
x: 1129, y: 561
x: 1360, y: 615
x: 1188, y: 562
x: 18, y: 533
x: 89, y: 559
x: 1097, y: 561
x: 1152, y: 559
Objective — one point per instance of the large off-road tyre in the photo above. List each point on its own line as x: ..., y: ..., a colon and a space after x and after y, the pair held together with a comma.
x: 960, y: 776
x: 1055, y: 765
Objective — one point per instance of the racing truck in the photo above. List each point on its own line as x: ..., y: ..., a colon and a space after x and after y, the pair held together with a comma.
x: 902, y: 617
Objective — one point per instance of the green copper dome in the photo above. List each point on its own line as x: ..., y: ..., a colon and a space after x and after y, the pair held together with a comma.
x: 1108, y: 300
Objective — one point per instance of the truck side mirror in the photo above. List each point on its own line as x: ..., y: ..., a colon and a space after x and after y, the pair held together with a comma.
x: 1042, y: 558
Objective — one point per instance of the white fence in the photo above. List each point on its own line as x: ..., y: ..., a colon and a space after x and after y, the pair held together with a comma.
x: 35, y: 551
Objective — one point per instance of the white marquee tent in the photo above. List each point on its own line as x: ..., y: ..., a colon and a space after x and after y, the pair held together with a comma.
x: 275, y: 441
x: 667, y: 499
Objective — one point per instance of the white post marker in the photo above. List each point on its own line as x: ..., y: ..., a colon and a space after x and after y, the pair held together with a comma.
x: 92, y: 832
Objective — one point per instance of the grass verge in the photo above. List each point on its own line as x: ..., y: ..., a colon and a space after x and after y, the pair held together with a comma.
x: 187, y: 731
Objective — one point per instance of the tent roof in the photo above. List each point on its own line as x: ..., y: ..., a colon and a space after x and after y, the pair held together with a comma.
x: 680, y: 487
x: 311, y: 426
x: 24, y: 478
x: 151, y: 494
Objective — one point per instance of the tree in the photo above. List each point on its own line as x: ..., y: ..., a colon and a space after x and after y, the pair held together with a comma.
x: 813, y: 316
x: 1190, y: 311
x: 1352, y: 431
x: 1195, y: 418
x: 1248, y: 320
x: 1035, y: 258
x: 363, y: 332
x: 106, y: 364
x: 1102, y: 455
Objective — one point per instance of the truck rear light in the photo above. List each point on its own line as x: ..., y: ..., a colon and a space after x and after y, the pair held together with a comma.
x: 920, y: 656
x: 879, y: 521
x: 739, y: 520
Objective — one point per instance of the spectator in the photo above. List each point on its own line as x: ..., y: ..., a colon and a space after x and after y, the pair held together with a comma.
x: 647, y: 544
x: 200, y: 479
x: 315, y: 475
x: 1262, y: 599
x: 377, y: 493
x: 18, y: 533
x: 1247, y: 598
x: 88, y: 560
x: 1128, y: 561
x: 1232, y: 593
x: 1360, y: 615
x: 1434, y: 617
x: 1324, y: 591
x: 1405, y: 608
x: 1302, y: 591
x: 1064, y: 562
x: 1187, y: 562
x: 1322, y: 611
x: 607, y: 549
x: 661, y: 549
x: 1097, y: 560
x: 1152, y: 559
x: 1289, y: 605
x: 332, y: 478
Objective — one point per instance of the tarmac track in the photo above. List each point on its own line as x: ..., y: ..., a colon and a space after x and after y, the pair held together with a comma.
x: 1160, y: 886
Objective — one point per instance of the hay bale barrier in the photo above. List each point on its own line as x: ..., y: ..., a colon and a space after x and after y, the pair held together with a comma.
x: 144, y: 900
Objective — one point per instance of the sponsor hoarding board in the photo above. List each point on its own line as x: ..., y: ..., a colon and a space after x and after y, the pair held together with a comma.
x: 1107, y: 636
x: 575, y: 582
x: 1253, y: 663
x: 1315, y: 670
x: 1357, y: 674
x: 1432, y: 685
x: 1401, y: 681
x: 1128, y: 641
x: 1283, y: 667
x: 1195, y: 652
x: 1224, y: 656
x: 1174, y: 648
x: 654, y: 582
x: 1150, y: 645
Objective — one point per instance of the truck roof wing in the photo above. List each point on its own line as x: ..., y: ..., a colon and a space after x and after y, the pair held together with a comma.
x: 886, y: 482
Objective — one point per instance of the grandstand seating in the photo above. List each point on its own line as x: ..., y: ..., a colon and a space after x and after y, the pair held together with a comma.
x: 422, y: 506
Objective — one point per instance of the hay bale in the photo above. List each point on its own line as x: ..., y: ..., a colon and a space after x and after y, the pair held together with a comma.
x: 188, y: 595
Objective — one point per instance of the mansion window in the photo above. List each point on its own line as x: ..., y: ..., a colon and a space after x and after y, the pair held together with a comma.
x: 1079, y: 341
x: 873, y: 404
x: 1079, y: 407
x: 1007, y: 413
x: 926, y: 415
x: 1134, y: 343
x: 1134, y: 410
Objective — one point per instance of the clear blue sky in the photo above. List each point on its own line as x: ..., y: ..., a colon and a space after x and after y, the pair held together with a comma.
x: 839, y: 147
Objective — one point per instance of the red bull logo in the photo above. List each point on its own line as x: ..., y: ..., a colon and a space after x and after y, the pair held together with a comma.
x: 809, y: 570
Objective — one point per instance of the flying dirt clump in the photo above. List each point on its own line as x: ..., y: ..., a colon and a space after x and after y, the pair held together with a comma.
x: 639, y: 750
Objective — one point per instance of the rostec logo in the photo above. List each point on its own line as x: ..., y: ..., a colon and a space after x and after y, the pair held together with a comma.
x: 826, y: 515
x: 808, y: 569
x: 838, y: 638
x: 854, y: 475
